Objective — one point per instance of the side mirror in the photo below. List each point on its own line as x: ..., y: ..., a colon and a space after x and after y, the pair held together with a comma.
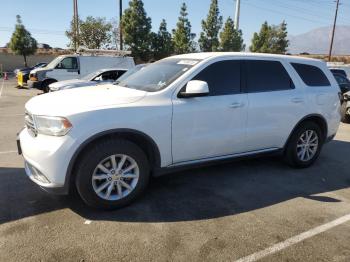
x: 195, y: 88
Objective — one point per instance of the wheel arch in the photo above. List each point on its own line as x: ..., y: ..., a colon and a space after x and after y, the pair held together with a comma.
x: 52, y: 80
x: 315, y: 118
x: 145, y: 142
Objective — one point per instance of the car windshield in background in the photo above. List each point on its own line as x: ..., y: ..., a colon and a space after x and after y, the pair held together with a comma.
x: 129, y: 73
x: 54, y: 62
x: 91, y: 76
x: 158, y: 75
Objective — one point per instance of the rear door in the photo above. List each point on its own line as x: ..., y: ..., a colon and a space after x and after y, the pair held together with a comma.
x: 276, y: 103
x: 214, y: 125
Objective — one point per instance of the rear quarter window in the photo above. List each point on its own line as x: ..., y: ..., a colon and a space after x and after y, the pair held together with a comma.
x: 311, y: 75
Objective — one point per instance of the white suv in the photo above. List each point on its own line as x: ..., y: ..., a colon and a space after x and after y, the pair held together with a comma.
x: 184, y: 110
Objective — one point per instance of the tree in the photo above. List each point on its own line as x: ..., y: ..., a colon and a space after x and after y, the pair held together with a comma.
x: 261, y: 40
x: 209, y: 40
x: 73, y: 38
x: 162, y: 44
x: 271, y: 39
x: 94, y: 33
x: 230, y: 38
x: 182, y: 35
x: 280, y: 42
x: 137, y: 30
x: 22, y: 43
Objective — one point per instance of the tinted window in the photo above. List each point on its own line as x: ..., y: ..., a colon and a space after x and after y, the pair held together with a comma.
x: 112, y: 75
x: 339, y: 71
x: 68, y: 63
x: 341, y: 79
x: 265, y: 76
x: 223, y: 77
x: 311, y: 75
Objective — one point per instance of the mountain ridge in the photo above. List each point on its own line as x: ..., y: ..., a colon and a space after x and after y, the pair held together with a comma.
x: 317, y: 41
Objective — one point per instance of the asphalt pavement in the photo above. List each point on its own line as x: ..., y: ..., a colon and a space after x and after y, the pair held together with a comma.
x: 257, y: 209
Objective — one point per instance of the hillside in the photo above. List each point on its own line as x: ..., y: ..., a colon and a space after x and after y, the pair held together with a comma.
x: 317, y: 41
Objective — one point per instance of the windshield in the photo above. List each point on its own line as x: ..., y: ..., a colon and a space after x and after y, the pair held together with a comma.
x: 130, y: 72
x: 91, y: 76
x: 158, y: 75
x: 54, y: 62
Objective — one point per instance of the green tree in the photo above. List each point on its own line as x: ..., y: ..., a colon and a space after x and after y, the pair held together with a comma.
x: 94, y: 33
x: 209, y: 38
x: 162, y: 42
x: 230, y: 38
x: 271, y: 39
x: 280, y: 42
x: 22, y: 43
x: 182, y: 35
x: 261, y: 40
x: 137, y: 30
x: 73, y: 38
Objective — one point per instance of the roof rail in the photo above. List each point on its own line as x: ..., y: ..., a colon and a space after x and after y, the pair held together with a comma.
x: 95, y: 52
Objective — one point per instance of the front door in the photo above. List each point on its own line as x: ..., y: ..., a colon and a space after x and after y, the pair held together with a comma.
x: 214, y: 125
x: 67, y: 69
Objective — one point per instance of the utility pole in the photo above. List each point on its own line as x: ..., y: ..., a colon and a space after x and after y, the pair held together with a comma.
x: 120, y: 24
x: 237, y: 13
x: 333, y: 32
x: 76, y: 24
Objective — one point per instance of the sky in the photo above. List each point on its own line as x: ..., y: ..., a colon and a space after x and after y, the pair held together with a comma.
x: 47, y: 20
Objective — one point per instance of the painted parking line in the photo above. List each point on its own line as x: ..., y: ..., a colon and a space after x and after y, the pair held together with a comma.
x: 294, y: 240
x: 8, y: 152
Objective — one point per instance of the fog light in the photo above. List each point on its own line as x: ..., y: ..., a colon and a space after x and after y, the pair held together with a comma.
x: 36, y: 174
x: 348, y: 111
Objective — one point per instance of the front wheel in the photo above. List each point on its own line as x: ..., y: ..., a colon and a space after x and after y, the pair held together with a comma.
x: 304, y: 146
x: 112, y: 174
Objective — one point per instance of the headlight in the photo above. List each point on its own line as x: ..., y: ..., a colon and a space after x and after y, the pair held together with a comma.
x: 346, y: 97
x: 52, y: 125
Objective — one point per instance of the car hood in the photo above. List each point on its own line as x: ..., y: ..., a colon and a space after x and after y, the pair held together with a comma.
x: 72, y: 101
x: 71, y: 83
x: 40, y: 70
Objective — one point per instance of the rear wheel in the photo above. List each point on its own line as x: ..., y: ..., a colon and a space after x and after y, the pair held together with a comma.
x: 304, y: 146
x: 112, y: 174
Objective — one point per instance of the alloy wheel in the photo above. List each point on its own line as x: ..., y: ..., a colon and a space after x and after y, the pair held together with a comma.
x: 115, y: 177
x: 307, y: 145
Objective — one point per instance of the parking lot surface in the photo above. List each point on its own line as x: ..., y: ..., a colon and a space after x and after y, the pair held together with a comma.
x: 251, y: 210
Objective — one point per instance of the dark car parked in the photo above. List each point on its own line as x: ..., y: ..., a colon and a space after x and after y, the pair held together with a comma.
x: 343, y: 82
x: 23, y: 73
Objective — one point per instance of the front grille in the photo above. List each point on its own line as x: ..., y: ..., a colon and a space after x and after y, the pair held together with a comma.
x: 29, y: 123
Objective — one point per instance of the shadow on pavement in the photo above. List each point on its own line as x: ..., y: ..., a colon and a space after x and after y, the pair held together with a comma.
x: 195, y: 194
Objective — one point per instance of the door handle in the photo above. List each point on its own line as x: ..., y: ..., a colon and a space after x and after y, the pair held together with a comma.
x: 236, y: 105
x: 297, y: 100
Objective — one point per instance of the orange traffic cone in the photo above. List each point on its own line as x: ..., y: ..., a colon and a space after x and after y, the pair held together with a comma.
x: 6, y: 76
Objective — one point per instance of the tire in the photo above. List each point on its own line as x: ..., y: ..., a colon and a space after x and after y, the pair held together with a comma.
x: 45, y: 85
x: 294, y: 150
x: 344, y: 117
x: 100, y: 154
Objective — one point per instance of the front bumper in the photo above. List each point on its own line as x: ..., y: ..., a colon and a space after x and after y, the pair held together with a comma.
x: 46, y: 160
x: 34, y: 84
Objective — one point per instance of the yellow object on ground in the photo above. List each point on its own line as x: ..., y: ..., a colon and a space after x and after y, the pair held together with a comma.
x: 20, y: 79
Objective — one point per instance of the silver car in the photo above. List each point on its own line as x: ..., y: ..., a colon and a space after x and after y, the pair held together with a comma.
x: 101, y: 76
